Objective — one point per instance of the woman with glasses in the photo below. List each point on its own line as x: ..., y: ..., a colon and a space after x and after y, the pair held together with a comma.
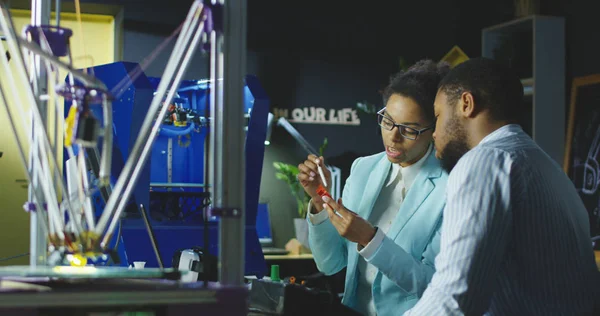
x: 385, y: 228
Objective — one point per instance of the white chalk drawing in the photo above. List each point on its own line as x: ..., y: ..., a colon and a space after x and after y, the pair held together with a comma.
x: 587, y: 177
x: 591, y: 168
x: 596, y: 213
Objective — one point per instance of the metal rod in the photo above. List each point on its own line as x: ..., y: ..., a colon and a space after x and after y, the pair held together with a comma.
x: 230, y: 61
x: 39, y: 133
x: 86, y: 79
x: 57, y: 12
x: 13, y: 41
x: 297, y: 136
x: 148, y: 146
x: 87, y: 201
x: 151, y: 235
x: 41, y: 220
x: 57, y: 117
x: 40, y: 14
x: 137, y: 157
x: 170, y: 160
x: 207, y: 157
x: 130, y: 173
x: 216, y: 156
x: 43, y: 172
x: 127, y: 170
x: 107, y: 143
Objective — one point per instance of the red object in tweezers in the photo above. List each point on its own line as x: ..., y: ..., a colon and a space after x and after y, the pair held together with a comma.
x: 321, y: 191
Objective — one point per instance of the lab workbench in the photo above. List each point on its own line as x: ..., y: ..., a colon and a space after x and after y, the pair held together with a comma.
x: 43, y: 296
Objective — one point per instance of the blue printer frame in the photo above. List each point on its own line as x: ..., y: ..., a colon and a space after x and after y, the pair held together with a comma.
x: 174, y: 199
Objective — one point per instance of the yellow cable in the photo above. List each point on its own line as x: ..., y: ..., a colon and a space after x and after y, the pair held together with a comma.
x: 70, y: 126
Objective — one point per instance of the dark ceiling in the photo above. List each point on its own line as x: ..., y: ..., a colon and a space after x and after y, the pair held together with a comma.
x: 411, y: 29
x: 335, y: 29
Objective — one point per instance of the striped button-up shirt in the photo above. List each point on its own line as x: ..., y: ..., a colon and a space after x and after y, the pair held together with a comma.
x: 515, y: 236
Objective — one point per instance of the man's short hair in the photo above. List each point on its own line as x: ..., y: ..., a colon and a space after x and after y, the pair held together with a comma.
x: 494, y: 87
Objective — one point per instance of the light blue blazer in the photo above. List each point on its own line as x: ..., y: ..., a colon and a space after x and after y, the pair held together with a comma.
x: 405, y: 258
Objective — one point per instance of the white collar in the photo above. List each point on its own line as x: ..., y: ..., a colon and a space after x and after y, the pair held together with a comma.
x: 408, y: 173
x: 500, y: 132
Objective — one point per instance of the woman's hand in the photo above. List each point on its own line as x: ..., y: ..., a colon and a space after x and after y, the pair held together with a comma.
x: 348, y: 224
x: 310, y: 179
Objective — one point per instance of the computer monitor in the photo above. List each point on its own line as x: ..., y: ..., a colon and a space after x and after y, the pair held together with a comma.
x: 263, y: 225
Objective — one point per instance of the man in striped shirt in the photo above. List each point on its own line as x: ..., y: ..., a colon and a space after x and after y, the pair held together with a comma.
x: 515, y: 237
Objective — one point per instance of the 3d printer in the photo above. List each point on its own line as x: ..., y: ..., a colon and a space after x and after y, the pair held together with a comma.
x: 174, y: 185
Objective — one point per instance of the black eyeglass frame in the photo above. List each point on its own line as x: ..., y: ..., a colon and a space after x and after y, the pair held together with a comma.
x: 401, y: 127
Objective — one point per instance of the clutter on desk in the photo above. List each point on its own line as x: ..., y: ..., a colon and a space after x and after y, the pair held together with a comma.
x: 294, y: 247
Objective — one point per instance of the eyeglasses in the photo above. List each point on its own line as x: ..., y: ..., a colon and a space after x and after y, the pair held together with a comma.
x: 406, y: 131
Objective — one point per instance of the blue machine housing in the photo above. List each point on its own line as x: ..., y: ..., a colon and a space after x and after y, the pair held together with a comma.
x: 126, y: 125
x: 176, y: 213
x: 187, y: 148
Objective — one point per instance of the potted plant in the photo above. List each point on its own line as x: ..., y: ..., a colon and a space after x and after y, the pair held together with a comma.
x: 289, y: 174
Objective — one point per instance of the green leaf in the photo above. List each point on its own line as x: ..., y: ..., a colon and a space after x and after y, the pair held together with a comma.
x: 281, y: 176
x: 278, y: 165
x: 288, y: 173
x: 323, y: 147
x: 293, y: 170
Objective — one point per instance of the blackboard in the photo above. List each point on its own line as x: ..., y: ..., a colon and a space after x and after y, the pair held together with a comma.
x: 582, y: 156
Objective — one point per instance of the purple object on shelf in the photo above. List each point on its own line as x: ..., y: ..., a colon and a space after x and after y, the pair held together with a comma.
x: 56, y: 36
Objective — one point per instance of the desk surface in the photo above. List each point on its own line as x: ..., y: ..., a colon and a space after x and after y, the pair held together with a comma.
x: 113, y: 292
x: 305, y: 256
x: 310, y: 256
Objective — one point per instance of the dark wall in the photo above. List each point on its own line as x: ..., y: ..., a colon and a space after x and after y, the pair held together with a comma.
x: 323, y: 54
x: 139, y: 44
x: 582, y: 24
x: 582, y: 51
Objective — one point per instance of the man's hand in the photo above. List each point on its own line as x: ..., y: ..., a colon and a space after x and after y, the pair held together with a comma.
x: 348, y: 224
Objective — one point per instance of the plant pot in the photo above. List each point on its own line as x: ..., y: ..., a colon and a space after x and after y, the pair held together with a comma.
x: 301, y: 227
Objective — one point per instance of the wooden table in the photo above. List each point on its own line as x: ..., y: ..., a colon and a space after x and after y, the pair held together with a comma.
x: 304, y: 256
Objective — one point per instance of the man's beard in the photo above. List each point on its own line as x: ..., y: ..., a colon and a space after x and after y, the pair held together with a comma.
x: 456, y: 147
x: 454, y: 150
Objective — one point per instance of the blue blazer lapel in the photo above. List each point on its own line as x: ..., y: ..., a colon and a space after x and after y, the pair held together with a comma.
x: 419, y: 191
x: 373, y: 188
x: 366, y: 203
